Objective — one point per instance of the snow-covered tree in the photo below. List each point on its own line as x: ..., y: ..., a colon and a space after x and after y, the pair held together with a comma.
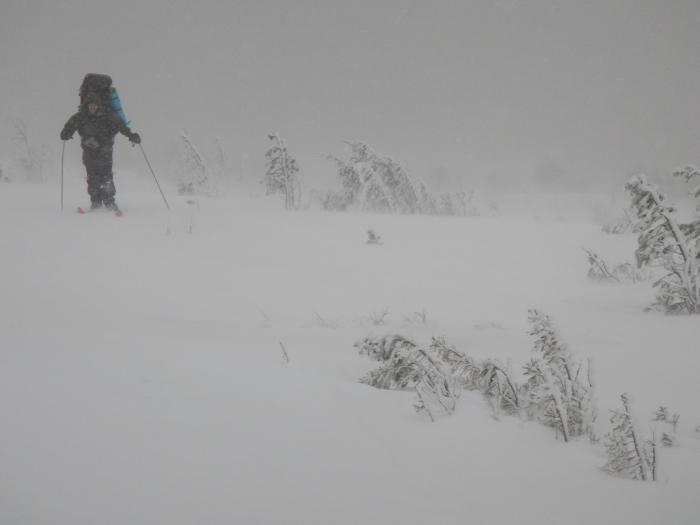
x: 281, y: 173
x: 194, y: 169
x: 629, y: 455
x: 375, y: 183
x: 559, y: 390
x: 31, y: 159
x: 406, y: 365
x: 428, y: 205
x: 663, y: 242
x: 458, y: 203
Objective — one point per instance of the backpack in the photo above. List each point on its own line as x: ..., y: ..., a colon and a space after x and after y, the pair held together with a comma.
x: 101, y: 85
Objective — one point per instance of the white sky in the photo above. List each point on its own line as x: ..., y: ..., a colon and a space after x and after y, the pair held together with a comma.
x: 475, y: 89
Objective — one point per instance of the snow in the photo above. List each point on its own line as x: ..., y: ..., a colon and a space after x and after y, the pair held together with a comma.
x: 142, y: 379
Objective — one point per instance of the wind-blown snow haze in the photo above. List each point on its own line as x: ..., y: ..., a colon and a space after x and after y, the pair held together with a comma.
x: 501, y: 92
x: 362, y: 263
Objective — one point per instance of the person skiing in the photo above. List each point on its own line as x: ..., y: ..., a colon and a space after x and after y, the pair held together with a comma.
x: 97, y: 127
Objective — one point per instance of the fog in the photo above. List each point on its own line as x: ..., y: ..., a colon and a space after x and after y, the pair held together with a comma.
x: 492, y: 93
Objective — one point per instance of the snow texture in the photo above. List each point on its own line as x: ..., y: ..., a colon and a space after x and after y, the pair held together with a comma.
x: 152, y: 371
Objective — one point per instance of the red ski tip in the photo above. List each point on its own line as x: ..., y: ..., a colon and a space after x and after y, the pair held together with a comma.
x: 80, y: 210
x: 118, y: 213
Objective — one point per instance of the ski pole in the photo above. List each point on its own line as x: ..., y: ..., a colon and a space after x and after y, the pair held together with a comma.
x: 154, y: 177
x: 63, y: 152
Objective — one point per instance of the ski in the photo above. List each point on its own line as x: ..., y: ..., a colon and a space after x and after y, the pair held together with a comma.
x: 83, y: 211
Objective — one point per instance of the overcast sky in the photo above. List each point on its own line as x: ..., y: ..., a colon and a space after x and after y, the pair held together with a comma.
x: 473, y: 89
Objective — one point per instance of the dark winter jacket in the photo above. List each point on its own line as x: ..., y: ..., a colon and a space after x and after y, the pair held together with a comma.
x: 98, y: 130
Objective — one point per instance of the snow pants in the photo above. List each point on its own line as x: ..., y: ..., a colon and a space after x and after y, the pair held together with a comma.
x: 100, y: 179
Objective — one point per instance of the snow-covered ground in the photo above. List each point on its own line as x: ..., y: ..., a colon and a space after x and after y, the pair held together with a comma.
x: 142, y: 379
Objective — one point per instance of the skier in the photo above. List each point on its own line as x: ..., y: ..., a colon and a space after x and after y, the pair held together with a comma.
x: 97, y: 126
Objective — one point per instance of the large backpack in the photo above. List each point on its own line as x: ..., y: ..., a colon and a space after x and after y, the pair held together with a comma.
x: 101, y: 85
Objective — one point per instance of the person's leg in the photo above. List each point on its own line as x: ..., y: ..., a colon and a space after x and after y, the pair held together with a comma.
x: 106, y: 178
x: 93, y: 178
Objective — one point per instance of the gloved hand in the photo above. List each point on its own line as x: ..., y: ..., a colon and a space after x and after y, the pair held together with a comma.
x: 65, y: 135
x: 135, y: 138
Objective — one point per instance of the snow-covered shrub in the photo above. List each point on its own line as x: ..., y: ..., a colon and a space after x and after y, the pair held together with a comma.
x: 670, y: 421
x: 417, y: 318
x: 556, y: 393
x: 436, y: 372
x: 458, y: 203
x: 600, y: 270
x: 335, y: 201
x: 281, y: 173
x: 558, y: 389
x: 663, y: 242
x: 629, y: 455
x: 373, y: 238
x: 488, y: 377
x: 406, y: 365
x: 30, y: 158
x: 194, y: 170
x: 374, y: 183
x: 427, y: 202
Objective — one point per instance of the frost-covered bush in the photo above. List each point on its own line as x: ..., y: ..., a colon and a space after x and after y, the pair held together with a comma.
x: 194, y: 171
x: 374, y: 183
x: 665, y: 243
x: 664, y: 417
x: 281, y: 173
x: 488, y: 377
x: 201, y: 169
x: 31, y: 158
x: 559, y: 390
x: 406, y: 365
x: 458, y: 203
x: 629, y: 454
x: 600, y: 270
x: 556, y: 392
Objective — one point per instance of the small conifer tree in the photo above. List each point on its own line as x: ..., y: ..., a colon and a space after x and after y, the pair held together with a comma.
x: 195, y: 171
x: 560, y: 394
x: 663, y: 242
x: 629, y: 455
x: 281, y: 173
x: 375, y: 183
